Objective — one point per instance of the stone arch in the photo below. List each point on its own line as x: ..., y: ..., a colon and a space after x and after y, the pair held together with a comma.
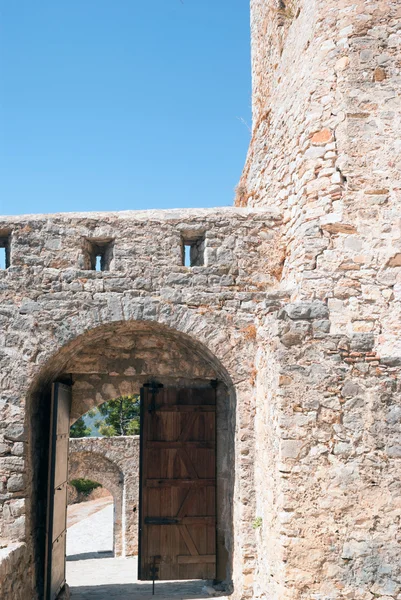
x: 219, y: 347
x: 95, y: 466
x: 217, y: 342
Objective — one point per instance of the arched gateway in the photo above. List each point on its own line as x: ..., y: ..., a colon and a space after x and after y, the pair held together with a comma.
x: 185, y: 501
x: 186, y: 489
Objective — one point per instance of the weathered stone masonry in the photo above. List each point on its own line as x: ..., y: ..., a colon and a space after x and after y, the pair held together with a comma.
x: 325, y: 149
x: 148, y: 316
x: 295, y: 309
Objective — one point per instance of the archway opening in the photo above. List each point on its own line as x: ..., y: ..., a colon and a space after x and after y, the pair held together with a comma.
x: 117, y: 360
x: 90, y: 521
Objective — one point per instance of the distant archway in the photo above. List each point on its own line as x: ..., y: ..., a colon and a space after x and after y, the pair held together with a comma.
x: 91, y: 465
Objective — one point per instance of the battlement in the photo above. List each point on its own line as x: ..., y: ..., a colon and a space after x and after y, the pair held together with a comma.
x: 133, y: 243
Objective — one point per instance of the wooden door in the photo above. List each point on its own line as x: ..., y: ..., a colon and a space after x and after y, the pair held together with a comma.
x: 178, y: 484
x: 57, y: 490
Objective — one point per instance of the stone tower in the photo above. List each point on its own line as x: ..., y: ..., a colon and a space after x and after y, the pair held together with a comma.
x: 325, y: 149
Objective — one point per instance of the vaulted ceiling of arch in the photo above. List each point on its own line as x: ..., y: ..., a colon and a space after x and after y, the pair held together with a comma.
x: 119, y: 364
x: 139, y: 355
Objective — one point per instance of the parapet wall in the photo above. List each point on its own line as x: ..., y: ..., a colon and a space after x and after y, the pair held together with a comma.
x: 146, y: 249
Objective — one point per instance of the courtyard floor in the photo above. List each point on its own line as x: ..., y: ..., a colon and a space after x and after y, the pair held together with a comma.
x: 93, y: 573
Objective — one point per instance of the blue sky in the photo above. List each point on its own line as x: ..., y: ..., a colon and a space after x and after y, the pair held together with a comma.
x: 122, y: 104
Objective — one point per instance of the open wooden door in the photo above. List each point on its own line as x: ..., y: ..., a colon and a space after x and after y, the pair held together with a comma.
x: 57, y: 490
x: 177, y: 537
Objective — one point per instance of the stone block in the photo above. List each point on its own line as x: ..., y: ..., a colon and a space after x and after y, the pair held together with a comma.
x: 322, y: 137
x: 15, y: 432
x: 362, y: 342
x: 350, y: 389
x: 16, y: 483
x: 290, y: 448
x: 307, y: 310
x: 321, y: 327
x: 354, y: 549
x: 292, y: 338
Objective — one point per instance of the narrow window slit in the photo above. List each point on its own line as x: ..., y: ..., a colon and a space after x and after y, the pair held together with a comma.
x: 3, y: 258
x: 4, y: 250
x: 193, y: 250
x: 98, y: 254
x: 187, y: 255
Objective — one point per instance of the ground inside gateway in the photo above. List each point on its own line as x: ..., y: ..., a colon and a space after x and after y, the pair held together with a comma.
x: 94, y: 574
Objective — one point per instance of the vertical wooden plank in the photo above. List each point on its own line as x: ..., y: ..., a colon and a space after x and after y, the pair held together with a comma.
x: 57, y: 490
x: 143, y: 509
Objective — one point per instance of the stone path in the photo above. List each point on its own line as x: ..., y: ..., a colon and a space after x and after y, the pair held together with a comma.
x: 82, y: 510
x: 115, y: 579
x: 93, y: 574
x: 93, y: 534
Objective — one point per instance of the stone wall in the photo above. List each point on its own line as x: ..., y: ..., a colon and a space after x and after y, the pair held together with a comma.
x: 152, y: 316
x: 16, y: 572
x: 114, y: 463
x: 292, y: 301
x: 325, y: 150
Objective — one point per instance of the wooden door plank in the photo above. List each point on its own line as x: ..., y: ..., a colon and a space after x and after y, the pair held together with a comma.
x: 211, y: 521
x: 186, y: 430
x: 194, y: 521
x: 56, y: 519
x: 192, y: 549
x: 178, y: 483
x: 157, y: 445
x: 170, y: 463
x: 201, y: 559
x: 182, y: 453
x: 197, y: 483
x: 185, y: 408
x: 143, y: 572
x: 185, y: 506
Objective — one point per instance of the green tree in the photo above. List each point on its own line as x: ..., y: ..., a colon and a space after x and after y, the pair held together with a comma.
x: 120, y: 416
x: 79, y: 429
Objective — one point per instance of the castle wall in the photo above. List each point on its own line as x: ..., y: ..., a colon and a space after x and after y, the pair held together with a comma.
x: 325, y: 150
x: 295, y: 305
x: 16, y: 571
x: 57, y: 312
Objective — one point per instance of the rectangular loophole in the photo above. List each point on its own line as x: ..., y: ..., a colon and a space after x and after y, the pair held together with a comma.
x: 98, y: 254
x: 193, y: 250
x: 4, y: 250
x: 187, y: 255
